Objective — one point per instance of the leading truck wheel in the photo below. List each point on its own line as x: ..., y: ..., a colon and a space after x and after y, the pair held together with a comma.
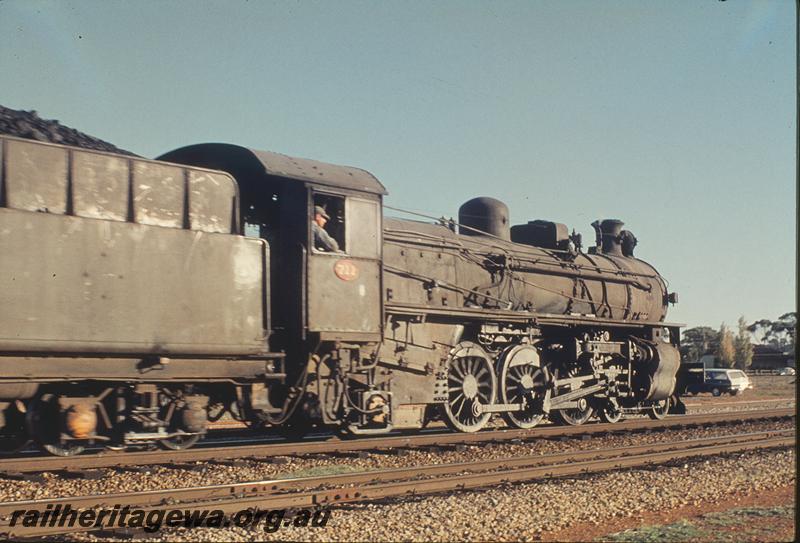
x: 470, y: 380
x: 659, y: 410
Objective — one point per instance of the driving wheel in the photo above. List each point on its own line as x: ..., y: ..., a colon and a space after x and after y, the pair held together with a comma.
x: 574, y: 416
x: 522, y: 380
x: 470, y: 380
x: 610, y: 412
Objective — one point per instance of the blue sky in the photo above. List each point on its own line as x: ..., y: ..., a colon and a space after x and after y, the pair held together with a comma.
x: 677, y: 117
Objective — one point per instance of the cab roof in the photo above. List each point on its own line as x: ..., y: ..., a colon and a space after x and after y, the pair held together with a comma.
x: 229, y: 157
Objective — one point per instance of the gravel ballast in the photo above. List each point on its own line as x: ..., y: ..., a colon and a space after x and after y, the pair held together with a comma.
x: 526, y: 512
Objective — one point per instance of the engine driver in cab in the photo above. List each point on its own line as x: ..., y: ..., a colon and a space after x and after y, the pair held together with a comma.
x: 322, y: 240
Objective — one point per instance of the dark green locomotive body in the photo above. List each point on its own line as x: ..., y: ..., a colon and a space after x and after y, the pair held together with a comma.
x: 142, y: 299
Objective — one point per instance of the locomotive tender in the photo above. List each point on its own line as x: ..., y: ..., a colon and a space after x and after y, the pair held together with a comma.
x: 142, y: 299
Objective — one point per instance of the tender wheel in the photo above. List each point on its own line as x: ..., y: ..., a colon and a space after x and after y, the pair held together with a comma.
x: 659, y: 410
x: 522, y: 380
x: 44, y: 424
x: 63, y: 449
x: 179, y: 442
x: 294, y: 431
x: 14, y: 435
x: 610, y: 413
x: 296, y: 427
x: 574, y: 416
x: 470, y: 379
x: 187, y: 417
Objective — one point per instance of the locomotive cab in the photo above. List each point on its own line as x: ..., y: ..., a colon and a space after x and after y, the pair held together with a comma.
x: 316, y: 295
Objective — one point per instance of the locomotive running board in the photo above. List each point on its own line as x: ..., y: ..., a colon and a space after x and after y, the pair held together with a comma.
x: 543, y: 319
x: 53, y: 368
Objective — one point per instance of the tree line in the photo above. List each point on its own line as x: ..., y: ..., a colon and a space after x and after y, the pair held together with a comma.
x: 735, y: 350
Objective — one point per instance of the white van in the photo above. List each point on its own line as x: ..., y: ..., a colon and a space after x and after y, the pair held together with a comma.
x: 719, y: 380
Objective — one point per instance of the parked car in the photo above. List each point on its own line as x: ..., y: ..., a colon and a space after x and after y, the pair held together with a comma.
x: 693, y: 379
x: 786, y: 371
x: 719, y: 380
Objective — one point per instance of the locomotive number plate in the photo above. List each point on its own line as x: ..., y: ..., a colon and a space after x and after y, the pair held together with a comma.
x: 346, y: 270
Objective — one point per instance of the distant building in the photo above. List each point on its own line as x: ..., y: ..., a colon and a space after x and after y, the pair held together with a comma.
x: 708, y: 361
x: 766, y: 357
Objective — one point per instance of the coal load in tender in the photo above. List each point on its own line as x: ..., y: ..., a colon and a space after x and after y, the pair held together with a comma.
x: 28, y: 124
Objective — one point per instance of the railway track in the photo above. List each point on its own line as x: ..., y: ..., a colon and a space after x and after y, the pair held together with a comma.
x: 694, y: 402
x: 324, y: 491
x: 19, y: 466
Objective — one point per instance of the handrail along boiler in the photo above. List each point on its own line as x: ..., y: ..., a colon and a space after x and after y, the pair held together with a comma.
x: 144, y: 298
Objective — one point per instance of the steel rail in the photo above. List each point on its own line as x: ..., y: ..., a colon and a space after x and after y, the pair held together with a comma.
x: 525, y: 474
x: 110, y: 459
x: 173, y: 495
x: 266, y: 495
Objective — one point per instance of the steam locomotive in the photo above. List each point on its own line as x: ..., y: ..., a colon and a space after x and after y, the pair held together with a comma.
x: 143, y: 299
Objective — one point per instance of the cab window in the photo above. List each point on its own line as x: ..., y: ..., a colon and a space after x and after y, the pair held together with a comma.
x: 364, y: 228
x: 333, y: 208
x: 354, y: 224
